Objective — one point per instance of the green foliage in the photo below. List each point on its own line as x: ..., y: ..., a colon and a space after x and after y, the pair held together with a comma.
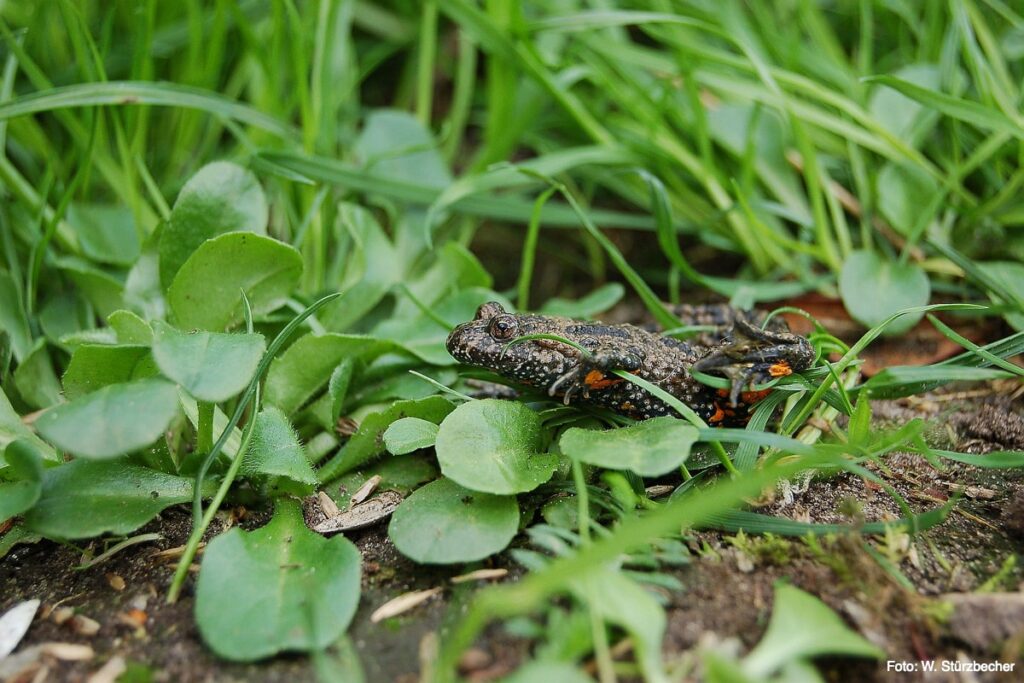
x: 307, y: 365
x: 207, y: 290
x: 275, y: 452
x: 111, y: 421
x: 210, y: 366
x: 649, y: 448
x: 494, y: 447
x: 171, y: 176
x: 221, y: 197
x: 82, y: 499
x: 874, y: 289
x: 409, y: 434
x: 802, y: 627
x: 94, y: 366
x: 25, y: 466
x: 300, y: 593
x: 444, y: 523
x: 368, y: 442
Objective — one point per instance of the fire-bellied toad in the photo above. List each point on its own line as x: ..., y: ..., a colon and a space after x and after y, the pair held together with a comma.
x: 741, y: 351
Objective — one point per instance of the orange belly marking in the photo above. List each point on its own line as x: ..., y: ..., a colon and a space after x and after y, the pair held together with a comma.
x: 596, y: 379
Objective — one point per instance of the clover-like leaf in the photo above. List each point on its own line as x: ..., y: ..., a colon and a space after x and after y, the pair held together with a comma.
x: 443, y: 523
x: 495, y: 447
x: 221, y: 197
x: 207, y: 291
x: 874, y: 288
x: 300, y: 590
x: 212, y: 366
x: 111, y: 421
x: 409, y: 434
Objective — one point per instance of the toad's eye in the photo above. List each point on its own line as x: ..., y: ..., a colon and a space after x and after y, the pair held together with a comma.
x: 503, y: 327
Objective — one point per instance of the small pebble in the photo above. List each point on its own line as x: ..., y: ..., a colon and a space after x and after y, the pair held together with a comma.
x: 474, y: 659
x: 84, y: 626
x: 115, y: 581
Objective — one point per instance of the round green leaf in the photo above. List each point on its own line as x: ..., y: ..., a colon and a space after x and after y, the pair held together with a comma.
x: 409, y: 434
x: 395, y: 144
x: 443, y: 523
x: 281, y: 587
x: 905, y: 118
x: 111, y: 421
x: 206, y: 292
x: 211, y: 366
x: 874, y: 288
x: 82, y: 498
x: 494, y: 446
x: 649, y: 448
x: 221, y: 197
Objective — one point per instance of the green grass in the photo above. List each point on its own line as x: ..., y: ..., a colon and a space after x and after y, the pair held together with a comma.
x: 396, y: 151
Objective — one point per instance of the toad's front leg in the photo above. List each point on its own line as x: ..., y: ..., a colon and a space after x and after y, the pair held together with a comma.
x: 593, y: 372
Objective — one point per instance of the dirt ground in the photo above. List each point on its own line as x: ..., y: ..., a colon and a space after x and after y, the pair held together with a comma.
x: 725, y: 602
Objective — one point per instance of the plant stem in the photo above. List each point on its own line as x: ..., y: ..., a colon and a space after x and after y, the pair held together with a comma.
x: 222, y: 491
x: 204, y: 436
x: 530, y: 251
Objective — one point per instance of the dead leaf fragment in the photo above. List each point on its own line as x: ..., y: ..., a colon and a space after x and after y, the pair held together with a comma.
x: 14, y: 624
x: 474, y: 659
x: 27, y: 664
x: 68, y: 652
x: 327, y: 504
x: 109, y: 672
x: 480, y: 575
x: 659, y: 490
x: 366, y: 490
x: 403, y: 603
x: 174, y: 553
x: 363, y: 515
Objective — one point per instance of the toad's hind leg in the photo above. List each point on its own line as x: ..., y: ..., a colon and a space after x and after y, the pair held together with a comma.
x: 722, y: 317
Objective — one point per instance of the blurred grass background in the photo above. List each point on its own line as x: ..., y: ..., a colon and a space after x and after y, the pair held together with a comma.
x: 868, y: 150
